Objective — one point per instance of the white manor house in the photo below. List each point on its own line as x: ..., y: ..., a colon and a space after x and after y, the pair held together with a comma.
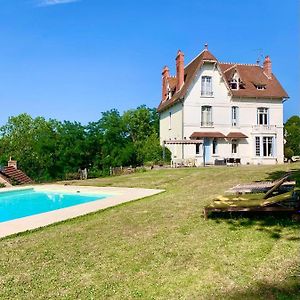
x: 213, y: 112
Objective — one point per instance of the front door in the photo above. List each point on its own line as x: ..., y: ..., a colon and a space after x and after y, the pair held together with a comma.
x: 207, y: 150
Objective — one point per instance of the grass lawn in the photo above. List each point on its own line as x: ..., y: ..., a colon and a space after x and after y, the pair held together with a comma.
x: 159, y: 247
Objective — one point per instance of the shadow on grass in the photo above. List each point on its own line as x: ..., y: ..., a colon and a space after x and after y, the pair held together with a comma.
x: 294, y: 175
x: 287, y: 290
x: 272, y: 224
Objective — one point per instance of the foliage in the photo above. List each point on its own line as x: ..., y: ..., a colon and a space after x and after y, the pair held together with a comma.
x: 50, y: 149
x: 292, y: 134
x: 288, y: 153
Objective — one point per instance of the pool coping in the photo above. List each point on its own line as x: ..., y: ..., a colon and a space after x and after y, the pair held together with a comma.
x: 117, y: 195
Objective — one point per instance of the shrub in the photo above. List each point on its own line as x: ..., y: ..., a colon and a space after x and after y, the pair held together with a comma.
x: 288, y: 153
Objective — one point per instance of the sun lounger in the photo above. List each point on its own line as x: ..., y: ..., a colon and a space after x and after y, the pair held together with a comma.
x: 272, y: 201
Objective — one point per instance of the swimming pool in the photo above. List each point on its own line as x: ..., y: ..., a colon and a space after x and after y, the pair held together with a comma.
x: 29, y: 202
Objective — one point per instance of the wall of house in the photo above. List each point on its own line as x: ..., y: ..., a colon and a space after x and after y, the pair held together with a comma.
x: 221, y: 103
x: 172, y: 131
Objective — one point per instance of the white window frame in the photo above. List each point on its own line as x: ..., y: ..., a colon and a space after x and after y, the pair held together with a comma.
x: 214, y: 147
x: 234, y: 116
x: 264, y: 113
x: 234, y: 146
x: 268, y: 146
x: 265, y: 146
x: 206, y: 86
x: 234, y: 82
x: 257, y: 146
x: 209, y: 116
x: 198, y: 149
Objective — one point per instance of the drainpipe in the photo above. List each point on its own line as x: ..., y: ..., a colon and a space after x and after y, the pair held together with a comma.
x: 204, y: 162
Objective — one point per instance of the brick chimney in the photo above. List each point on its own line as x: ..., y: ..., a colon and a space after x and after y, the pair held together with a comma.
x: 12, y: 163
x: 179, y: 70
x: 165, y: 76
x: 268, y: 67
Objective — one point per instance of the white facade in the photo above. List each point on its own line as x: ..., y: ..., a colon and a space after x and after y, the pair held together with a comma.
x: 260, y: 119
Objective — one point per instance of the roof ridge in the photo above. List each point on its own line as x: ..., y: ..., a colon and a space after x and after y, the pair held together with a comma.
x: 239, y: 64
x: 195, y: 57
x: 234, y: 65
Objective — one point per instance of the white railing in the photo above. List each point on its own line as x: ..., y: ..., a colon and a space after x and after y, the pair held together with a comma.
x: 264, y: 128
x: 207, y: 124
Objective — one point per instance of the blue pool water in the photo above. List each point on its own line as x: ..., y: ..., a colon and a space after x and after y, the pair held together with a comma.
x: 23, y: 203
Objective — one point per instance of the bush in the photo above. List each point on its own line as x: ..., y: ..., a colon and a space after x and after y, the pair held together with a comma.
x: 2, y: 185
x: 96, y: 173
x: 72, y: 176
x: 288, y: 153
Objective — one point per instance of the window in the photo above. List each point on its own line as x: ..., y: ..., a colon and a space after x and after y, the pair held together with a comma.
x: 214, y: 146
x: 169, y: 93
x: 234, y: 116
x: 197, y: 148
x: 257, y: 146
x: 260, y: 87
x: 267, y: 146
x: 262, y: 116
x: 206, y: 116
x: 234, y: 84
x: 170, y: 120
x: 234, y: 146
x: 206, y: 86
x: 264, y: 146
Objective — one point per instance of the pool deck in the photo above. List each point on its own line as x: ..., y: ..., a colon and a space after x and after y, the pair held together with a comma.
x: 117, y: 196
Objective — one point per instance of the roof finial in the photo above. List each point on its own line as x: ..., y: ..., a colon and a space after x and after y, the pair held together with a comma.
x: 205, y: 46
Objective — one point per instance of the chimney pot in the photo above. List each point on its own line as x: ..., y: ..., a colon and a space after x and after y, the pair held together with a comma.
x: 12, y: 163
x: 165, y: 76
x: 267, y: 67
x: 179, y: 70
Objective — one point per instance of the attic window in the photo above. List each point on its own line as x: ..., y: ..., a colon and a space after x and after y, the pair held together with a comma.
x: 169, y: 93
x: 234, y: 84
x: 260, y: 87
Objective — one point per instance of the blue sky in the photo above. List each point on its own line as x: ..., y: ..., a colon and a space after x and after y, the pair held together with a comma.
x: 72, y: 60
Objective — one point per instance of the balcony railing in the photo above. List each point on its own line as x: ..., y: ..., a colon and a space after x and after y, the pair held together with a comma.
x: 264, y: 128
x: 207, y: 124
x: 207, y: 93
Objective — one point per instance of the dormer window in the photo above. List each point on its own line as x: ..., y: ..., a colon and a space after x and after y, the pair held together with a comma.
x: 260, y: 87
x: 235, y: 81
x: 169, y: 93
x: 234, y: 84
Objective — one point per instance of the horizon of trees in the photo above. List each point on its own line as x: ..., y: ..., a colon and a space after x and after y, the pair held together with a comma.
x: 50, y: 149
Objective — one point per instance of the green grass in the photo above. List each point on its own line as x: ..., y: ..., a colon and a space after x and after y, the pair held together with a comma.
x: 159, y: 247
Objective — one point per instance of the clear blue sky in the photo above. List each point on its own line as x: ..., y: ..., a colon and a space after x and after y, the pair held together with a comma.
x: 74, y: 60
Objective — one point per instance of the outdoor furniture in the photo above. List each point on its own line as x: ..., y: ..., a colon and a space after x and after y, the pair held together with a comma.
x: 232, y: 161
x: 177, y: 162
x: 272, y: 201
x: 220, y: 162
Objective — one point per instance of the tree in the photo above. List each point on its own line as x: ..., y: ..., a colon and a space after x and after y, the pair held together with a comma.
x: 31, y: 142
x: 49, y: 149
x: 292, y: 134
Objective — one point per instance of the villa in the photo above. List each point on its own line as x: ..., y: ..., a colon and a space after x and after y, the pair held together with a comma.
x: 212, y: 112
